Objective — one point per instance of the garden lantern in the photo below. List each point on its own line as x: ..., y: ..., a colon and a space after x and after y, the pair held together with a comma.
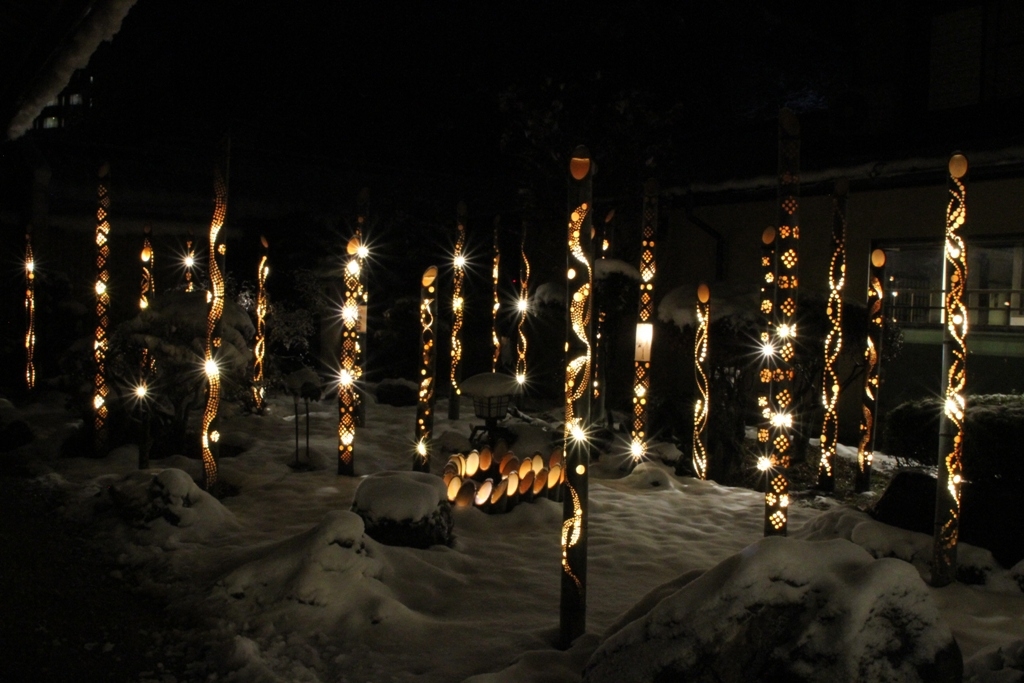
x: 644, y: 325
x: 954, y: 378
x: 833, y: 341
x: 100, y: 340
x: 701, y: 373
x: 215, y: 300
x: 495, y: 270
x: 428, y: 362
x: 30, y: 314
x: 189, y: 262
x: 523, y: 308
x: 362, y: 252
x: 350, y: 371
x: 259, y: 389
x: 458, y: 311
x: 872, y: 358
x: 579, y: 290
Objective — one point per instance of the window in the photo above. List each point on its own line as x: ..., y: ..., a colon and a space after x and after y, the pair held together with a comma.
x: 51, y: 122
x: 74, y: 99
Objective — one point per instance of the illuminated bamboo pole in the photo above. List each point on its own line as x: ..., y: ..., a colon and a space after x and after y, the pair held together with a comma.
x: 523, y: 307
x: 644, y: 324
x: 872, y: 358
x: 579, y: 292
x: 259, y: 389
x: 767, y: 365
x: 100, y: 389
x: 602, y: 242
x: 362, y: 223
x: 702, y: 374
x: 458, y: 311
x: 781, y: 406
x: 350, y: 371
x: 190, y: 262
x: 215, y: 298
x: 147, y: 289
x: 833, y: 341
x: 428, y: 363
x: 495, y: 270
x: 954, y: 379
x: 30, y: 314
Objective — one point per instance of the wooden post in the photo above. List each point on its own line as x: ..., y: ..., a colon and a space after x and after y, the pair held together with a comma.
x: 833, y: 341
x: 954, y: 378
x: 428, y: 363
x: 783, y: 420
x: 702, y: 374
x: 872, y: 363
x: 458, y: 311
x: 579, y: 292
x: 644, y: 325
x: 190, y: 262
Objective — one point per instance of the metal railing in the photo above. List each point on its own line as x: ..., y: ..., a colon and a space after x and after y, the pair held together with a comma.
x: 996, y: 308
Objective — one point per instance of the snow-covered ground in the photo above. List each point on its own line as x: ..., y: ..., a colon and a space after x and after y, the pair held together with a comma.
x: 291, y: 589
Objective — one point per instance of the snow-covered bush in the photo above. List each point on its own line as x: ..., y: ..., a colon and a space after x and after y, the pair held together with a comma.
x: 405, y: 508
x: 788, y: 610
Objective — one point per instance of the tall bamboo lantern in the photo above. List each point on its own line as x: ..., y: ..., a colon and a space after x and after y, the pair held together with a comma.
x: 702, y: 374
x: 259, y: 389
x: 833, y: 340
x: 147, y: 289
x: 100, y: 388
x: 190, y: 262
x: 458, y: 311
x: 872, y: 358
x: 644, y: 324
x: 602, y: 250
x: 523, y: 308
x: 495, y: 271
x: 30, y: 314
x: 954, y: 379
x: 350, y: 370
x: 766, y: 373
x: 362, y: 224
x: 579, y: 292
x: 215, y: 300
x: 786, y: 270
x: 428, y: 363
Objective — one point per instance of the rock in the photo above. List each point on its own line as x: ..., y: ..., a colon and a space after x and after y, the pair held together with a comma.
x: 788, y: 610
x: 989, y: 516
x: 398, y: 392
x: 405, y: 508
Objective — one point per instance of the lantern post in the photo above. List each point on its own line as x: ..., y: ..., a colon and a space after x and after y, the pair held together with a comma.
x: 215, y: 300
x: 701, y: 410
x: 579, y: 293
x: 766, y: 373
x: 787, y: 249
x: 495, y: 270
x: 458, y: 311
x: 189, y: 262
x: 872, y: 361
x: 602, y: 250
x: 362, y: 252
x: 428, y: 362
x: 523, y: 307
x: 146, y: 291
x: 100, y: 388
x: 30, y: 314
x: 833, y: 341
x: 259, y: 389
x: 954, y: 379
x: 644, y: 325
x: 350, y: 370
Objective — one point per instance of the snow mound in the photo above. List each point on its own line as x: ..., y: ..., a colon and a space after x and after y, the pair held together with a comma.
x: 996, y: 664
x: 784, y: 609
x: 550, y: 294
x: 405, y: 508
x: 171, y: 505
x: 603, y: 267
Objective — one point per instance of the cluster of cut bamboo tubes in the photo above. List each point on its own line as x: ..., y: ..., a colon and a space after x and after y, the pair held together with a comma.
x: 495, y: 481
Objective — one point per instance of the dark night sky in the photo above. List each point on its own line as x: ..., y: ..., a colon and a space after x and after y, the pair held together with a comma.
x: 416, y: 84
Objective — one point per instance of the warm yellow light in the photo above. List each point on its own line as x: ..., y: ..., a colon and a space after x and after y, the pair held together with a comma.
x: 211, y: 368
x: 101, y: 287
x: 147, y: 254
x: 636, y: 449
x: 30, y: 266
x: 215, y: 436
x: 522, y: 305
x: 460, y: 261
x: 640, y: 390
x: 782, y: 420
x: 345, y: 378
x: 140, y: 391
x: 97, y: 402
x: 644, y: 340
x: 189, y: 261
x: 764, y: 463
x: 785, y: 331
x: 353, y: 267
x: 421, y: 448
x: 362, y: 252
x: 578, y: 434
x: 347, y: 438
x: 580, y: 469
x: 571, y: 273
x: 350, y: 312
x: 521, y: 379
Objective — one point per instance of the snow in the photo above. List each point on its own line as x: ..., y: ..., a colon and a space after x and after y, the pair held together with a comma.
x: 603, y: 267
x: 399, y: 496
x: 286, y: 587
x: 550, y: 294
x: 489, y: 385
x: 679, y: 304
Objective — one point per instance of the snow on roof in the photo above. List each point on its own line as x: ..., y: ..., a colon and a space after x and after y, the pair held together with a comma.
x: 489, y: 385
x: 678, y: 306
x: 603, y: 267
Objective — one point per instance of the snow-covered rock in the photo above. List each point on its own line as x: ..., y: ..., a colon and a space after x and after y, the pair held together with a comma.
x: 996, y: 664
x: 784, y: 609
x: 405, y: 508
